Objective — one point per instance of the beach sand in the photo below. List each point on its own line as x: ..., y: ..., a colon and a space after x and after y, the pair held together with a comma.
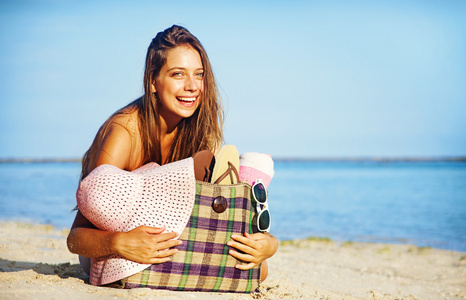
x: 35, y: 264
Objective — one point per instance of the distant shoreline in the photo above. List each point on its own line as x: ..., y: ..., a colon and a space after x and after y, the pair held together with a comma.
x: 276, y: 159
x: 374, y: 159
x: 40, y: 160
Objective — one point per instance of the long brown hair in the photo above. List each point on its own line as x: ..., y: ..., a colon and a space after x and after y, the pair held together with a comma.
x: 201, y: 131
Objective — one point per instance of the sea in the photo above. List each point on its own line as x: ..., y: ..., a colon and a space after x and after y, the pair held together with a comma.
x: 422, y: 203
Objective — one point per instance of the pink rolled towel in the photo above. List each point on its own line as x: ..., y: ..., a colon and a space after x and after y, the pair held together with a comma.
x: 254, y: 166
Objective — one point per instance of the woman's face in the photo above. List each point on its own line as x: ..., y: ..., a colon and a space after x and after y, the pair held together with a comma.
x: 180, y: 84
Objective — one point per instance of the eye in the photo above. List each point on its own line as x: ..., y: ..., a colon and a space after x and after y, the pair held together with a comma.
x: 200, y: 74
x: 177, y: 74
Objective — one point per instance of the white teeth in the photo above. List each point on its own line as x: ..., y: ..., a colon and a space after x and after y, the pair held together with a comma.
x: 191, y: 99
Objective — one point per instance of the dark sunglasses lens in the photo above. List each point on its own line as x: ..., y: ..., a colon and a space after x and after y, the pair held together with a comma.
x: 264, y: 220
x: 260, y: 193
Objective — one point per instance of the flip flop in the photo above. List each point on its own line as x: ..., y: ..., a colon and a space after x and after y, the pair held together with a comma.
x: 231, y: 168
x: 226, y: 161
x: 204, y: 162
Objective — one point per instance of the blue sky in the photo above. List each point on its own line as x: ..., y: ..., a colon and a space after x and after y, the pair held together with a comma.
x: 297, y: 78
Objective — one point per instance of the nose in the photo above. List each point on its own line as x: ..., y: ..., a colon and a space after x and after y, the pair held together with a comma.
x: 190, y: 84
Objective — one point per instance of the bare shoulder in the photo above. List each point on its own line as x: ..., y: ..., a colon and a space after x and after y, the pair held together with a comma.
x: 121, y: 143
x: 116, y: 147
x: 128, y: 119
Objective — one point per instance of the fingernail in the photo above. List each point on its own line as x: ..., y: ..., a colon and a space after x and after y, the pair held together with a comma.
x: 229, y: 243
x: 234, y: 236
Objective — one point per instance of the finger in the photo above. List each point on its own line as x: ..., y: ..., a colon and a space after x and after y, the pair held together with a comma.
x: 167, y: 244
x: 240, y: 247
x: 153, y: 230
x: 165, y: 253
x: 244, y: 248
x: 254, y: 236
x: 246, y: 266
x: 160, y: 256
x: 157, y: 260
x: 243, y: 240
x: 164, y: 236
x: 241, y: 256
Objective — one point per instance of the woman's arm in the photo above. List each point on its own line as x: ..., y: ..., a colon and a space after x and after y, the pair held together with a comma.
x: 143, y: 244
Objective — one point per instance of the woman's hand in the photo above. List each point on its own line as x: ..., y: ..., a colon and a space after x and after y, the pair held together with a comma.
x: 257, y: 247
x: 147, y: 245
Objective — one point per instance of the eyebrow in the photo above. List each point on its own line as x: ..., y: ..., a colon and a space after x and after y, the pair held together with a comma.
x: 180, y: 68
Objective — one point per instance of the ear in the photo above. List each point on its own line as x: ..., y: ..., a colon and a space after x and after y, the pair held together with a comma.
x: 152, y: 87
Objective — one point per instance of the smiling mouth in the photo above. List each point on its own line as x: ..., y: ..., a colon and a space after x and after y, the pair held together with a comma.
x: 186, y: 99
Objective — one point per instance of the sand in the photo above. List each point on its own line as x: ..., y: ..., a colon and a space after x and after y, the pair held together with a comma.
x: 35, y: 264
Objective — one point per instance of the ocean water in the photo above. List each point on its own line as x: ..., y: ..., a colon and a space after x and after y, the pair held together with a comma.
x: 420, y: 203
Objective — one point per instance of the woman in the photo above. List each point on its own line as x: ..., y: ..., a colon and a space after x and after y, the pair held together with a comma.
x: 178, y: 115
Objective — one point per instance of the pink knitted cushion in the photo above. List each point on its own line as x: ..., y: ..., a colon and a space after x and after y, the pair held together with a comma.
x: 117, y: 200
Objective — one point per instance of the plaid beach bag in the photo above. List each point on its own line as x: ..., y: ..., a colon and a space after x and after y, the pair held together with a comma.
x: 202, y: 262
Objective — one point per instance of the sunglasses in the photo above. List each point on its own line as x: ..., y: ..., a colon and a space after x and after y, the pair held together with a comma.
x: 259, y: 194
